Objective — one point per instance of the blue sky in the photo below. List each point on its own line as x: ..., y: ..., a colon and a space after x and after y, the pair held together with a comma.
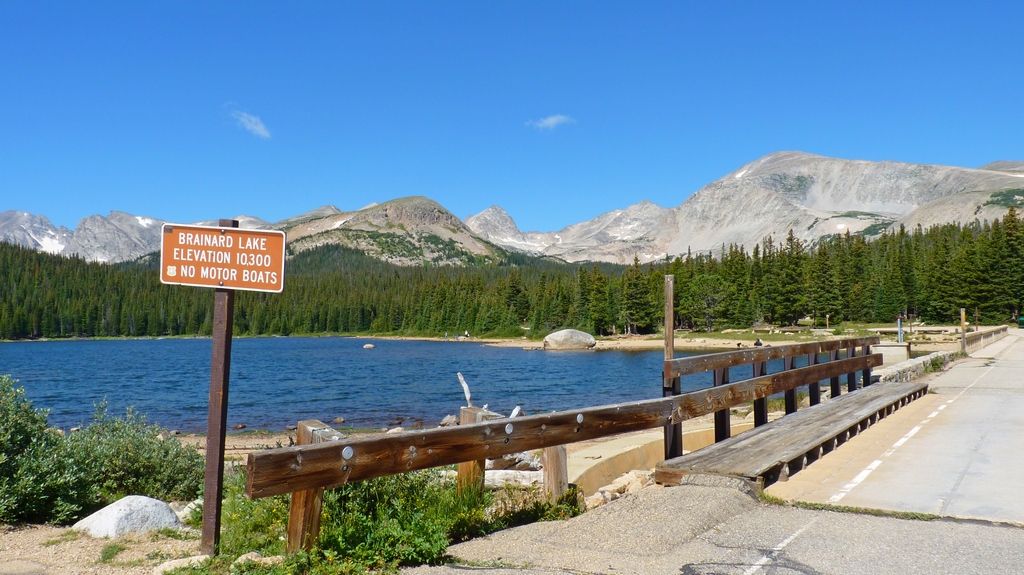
x: 555, y: 111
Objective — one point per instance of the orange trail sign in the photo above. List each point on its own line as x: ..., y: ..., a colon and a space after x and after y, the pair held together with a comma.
x: 219, y: 257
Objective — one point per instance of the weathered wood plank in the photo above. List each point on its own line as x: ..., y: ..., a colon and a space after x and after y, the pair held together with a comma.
x: 713, y: 361
x: 290, y: 469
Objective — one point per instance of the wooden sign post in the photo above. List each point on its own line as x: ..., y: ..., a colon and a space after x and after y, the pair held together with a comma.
x: 670, y: 384
x: 225, y: 258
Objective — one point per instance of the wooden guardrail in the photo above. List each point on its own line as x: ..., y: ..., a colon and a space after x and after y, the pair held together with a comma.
x: 306, y: 470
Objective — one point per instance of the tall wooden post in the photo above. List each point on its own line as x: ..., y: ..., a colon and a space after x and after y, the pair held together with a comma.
x: 963, y: 330
x: 865, y: 376
x: 216, y: 424
x: 669, y: 384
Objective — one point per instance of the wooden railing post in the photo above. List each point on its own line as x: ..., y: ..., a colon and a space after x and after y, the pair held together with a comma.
x: 865, y: 375
x: 836, y: 385
x: 851, y: 378
x: 306, y: 505
x: 556, y: 472
x: 471, y: 473
x: 722, y: 417
x: 788, y: 363
x: 670, y: 385
x: 814, y: 389
x: 760, y: 405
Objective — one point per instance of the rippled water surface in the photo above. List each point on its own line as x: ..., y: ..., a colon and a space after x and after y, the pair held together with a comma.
x: 279, y: 381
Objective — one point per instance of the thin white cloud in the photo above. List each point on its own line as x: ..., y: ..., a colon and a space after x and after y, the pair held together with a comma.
x: 551, y: 122
x: 251, y: 123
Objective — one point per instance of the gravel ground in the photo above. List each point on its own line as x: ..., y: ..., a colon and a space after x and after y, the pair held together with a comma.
x: 38, y: 549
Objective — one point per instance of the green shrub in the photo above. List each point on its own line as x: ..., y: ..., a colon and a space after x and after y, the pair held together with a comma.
x: 128, y: 457
x: 46, y: 477
x: 379, y: 524
x: 39, y: 480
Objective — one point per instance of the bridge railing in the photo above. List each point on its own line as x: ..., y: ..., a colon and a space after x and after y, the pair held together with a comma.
x: 308, y: 468
x: 756, y: 360
x: 978, y: 339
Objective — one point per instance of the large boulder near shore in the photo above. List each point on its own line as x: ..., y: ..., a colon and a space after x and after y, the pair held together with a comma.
x: 569, y: 339
x: 134, y: 513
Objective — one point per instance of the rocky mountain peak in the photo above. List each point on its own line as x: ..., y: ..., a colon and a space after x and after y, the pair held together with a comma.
x: 411, y: 211
x: 36, y: 232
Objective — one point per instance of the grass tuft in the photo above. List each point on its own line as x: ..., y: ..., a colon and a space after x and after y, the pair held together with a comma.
x: 110, y: 551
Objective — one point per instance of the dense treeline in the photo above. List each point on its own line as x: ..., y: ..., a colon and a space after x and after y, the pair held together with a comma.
x: 928, y: 273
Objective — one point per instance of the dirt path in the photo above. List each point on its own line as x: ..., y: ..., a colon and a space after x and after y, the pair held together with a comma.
x: 45, y: 549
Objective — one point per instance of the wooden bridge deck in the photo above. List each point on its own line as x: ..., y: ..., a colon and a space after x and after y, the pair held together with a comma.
x: 778, y: 449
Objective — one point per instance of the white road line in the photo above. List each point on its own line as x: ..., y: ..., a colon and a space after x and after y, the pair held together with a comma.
x: 777, y: 549
x: 874, y: 464
x: 856, y: 481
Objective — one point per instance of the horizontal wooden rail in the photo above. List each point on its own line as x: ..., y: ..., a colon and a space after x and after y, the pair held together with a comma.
x: 290, y: 469
x: 713, y: 361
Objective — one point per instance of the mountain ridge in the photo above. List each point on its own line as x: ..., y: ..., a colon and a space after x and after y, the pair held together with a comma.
x: 815, y: 196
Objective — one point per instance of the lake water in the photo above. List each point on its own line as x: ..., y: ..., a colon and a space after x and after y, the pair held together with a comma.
x: 278, y: 381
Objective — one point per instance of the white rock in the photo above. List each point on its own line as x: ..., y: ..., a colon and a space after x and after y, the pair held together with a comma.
x: 369, y: 346
x: 569, y: 339
x: 449, y: 420
x: 134, y: 513
x: 495, y: 478
x: 395, y: 430
x: 178, y: 563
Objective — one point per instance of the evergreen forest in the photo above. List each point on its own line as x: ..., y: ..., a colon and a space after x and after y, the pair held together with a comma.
x: 929, y: 274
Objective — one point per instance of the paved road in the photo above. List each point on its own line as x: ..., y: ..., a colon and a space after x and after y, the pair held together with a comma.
x: 958, y: 452
x: 716, y: 528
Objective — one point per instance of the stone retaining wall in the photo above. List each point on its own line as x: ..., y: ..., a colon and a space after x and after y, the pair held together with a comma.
x: 912, y: 368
